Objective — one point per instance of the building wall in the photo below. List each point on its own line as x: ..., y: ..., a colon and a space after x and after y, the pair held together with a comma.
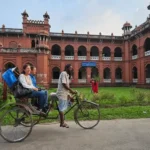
x: 42, y: 57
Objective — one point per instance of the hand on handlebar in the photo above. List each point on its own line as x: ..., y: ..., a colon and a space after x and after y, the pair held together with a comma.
x: 73, y: 92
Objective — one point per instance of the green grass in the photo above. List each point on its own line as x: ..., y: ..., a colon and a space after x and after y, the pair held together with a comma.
x: 118, y: 91
x: 114, y: 108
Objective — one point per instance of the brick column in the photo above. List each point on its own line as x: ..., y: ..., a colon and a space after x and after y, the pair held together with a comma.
x: 113, y: 73
x: 75, y: 55
x: 50, y: 54
x: 112, y: 56
x: 76, y: 70
x: 88, y: 75
x: 101, y: 72
x: 88, y: 55
x: 1, y: 67
x: 100, y: 55
x: 142, y: 71
x: 42, y: 69
x: 63, y: 55
x: 122, y: 56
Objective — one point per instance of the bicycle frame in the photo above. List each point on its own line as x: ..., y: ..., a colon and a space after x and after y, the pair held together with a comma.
x: 75, y: 104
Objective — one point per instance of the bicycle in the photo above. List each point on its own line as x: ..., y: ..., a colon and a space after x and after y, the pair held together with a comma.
x: 17, y: 122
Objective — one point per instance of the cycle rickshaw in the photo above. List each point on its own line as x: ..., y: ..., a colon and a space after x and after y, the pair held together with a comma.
x: 18, y: 119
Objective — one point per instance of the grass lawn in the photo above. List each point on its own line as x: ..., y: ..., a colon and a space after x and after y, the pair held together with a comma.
x: 122, y: 102
x: 117, y: 108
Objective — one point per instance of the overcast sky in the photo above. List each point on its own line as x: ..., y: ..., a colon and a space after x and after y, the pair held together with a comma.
x: 105, y: 16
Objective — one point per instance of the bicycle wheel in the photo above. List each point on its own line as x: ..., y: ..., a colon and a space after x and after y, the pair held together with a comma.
x: 87, y: 115
x: 11, y: 128
x: 35, y: 120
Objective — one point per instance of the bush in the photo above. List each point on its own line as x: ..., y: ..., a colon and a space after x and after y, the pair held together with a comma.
x: 1, y: 88
x: 124, y: 101
x: 107, y: 96
x: 148, y: 97
x: 139, y: 97
x: 1, y: 92
x: 96, y: 98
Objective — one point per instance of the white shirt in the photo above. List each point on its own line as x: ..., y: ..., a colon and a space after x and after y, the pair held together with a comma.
x: 63, y: 93
x: 23, y: 81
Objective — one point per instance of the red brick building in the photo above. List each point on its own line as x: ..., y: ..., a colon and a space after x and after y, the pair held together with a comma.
x: 119, y: 60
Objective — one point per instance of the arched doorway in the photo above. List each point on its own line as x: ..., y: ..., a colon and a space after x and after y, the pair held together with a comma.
x: 147, y: 47
x: 55, y: 74
x: 8, y: 66
x: 82, y: 75
x: 107, y: 75
x: 134, y: 75
x: 94, y: 72
x: 148, y: 73
x: 118, y: 75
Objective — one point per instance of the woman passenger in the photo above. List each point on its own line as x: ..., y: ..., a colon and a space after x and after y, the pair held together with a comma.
x: 26, y: 82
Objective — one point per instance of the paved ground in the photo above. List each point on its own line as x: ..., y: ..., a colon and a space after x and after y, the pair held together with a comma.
x: 108, y: 135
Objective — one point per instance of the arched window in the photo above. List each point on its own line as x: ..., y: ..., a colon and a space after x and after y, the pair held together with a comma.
x: 69, y: 50
x: 33, y: 44
x: 9, y: 65
x: 56, y: 50
x: 82, y: 73
x: 147, y: 45
x: 106, y: 52
x: 148, y: 71
x: 94, y: 51
x: 94, y: 72
x: 134, y: 71
x: 55, y: 73
x: 82, y: 51
x: 134, y: 50
x: 106, y: 73
x: 118, y: 73
x: 118, y: 52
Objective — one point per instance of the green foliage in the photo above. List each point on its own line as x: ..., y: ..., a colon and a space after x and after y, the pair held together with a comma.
x: 1, y: 89
x: 96, y: 97
x: 97, y: 78
x: 107, y: 96
x: 1, y: 92
x: 124, y: 101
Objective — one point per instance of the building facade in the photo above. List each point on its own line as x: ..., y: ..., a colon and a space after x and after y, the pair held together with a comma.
x: 118, y: 60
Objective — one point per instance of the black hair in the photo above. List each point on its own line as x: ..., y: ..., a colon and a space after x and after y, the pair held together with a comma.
x: 32, y: 67
x: 24, y: 67
x: 66, y: 69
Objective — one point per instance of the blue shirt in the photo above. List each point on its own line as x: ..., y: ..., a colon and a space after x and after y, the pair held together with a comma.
x: 33, y: 80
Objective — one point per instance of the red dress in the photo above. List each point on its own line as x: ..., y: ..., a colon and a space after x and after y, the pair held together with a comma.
x: 94, y: 86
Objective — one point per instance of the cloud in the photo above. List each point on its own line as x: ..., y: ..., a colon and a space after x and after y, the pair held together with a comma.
x: 94, y: 17
x: 137, y: 9
x: 107, y: 22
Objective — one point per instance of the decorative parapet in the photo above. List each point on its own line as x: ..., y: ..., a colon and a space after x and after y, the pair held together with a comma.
x: 35, y: 21
x: 52, y: 34
x: 11, y: 30
x: 34, y: 51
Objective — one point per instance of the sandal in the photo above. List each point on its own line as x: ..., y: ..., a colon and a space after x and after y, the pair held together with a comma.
x: 64, y: 125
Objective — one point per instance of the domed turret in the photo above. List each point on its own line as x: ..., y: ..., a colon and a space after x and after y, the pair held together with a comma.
x: 126, y: 28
